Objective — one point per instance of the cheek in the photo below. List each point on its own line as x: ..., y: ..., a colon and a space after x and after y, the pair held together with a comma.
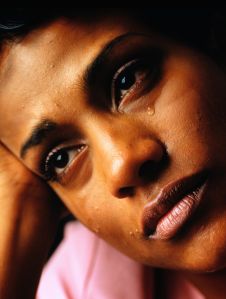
x: 187, y: 118
x: 111, y: 218
x: 90, y: 204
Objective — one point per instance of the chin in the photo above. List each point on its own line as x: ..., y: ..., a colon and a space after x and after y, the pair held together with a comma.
x: 198, y: 266
x: 207, y: 260
x: 196, y: 257
x: 208, y: 254
x: 213, y: 264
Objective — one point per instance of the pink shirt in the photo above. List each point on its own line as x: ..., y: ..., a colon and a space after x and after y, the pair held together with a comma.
x: 86, y: 267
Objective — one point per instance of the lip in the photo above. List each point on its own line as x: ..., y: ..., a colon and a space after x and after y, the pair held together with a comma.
x: 165, y: 215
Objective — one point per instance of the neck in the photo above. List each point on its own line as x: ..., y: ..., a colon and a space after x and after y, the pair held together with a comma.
x: 211, y: 285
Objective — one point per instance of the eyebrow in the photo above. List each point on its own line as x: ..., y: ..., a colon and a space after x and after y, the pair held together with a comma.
x: 41, y: 131
x: 38, y: 134
x: 93, y: 67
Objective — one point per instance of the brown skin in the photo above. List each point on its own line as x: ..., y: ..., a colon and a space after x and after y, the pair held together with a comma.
x: 42, y: 78
x: 28, y: 220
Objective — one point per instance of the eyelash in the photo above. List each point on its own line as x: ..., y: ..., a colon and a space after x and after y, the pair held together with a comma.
x: 144, y: 68
x: 48, y: 170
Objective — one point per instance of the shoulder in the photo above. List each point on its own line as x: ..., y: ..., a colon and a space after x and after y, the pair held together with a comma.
x: 83, y: 264
x: 67, y: 266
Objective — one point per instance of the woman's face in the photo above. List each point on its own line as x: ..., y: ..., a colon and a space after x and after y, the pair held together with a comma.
x: 124, y: 125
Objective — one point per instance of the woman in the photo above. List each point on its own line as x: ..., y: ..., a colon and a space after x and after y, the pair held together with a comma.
x: 126, y: 125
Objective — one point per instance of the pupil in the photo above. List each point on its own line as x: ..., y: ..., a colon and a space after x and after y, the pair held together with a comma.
x: 61, y: 159
x: 127, y: 81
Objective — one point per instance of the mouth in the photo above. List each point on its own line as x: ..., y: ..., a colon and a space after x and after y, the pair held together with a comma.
x: 164, y: 216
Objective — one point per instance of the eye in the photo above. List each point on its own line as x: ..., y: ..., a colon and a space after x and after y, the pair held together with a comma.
x: 59, y: 159
x: 132, y: 79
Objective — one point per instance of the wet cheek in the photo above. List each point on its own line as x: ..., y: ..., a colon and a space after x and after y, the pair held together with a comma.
x: 99, y: 212
x: 88, y: 204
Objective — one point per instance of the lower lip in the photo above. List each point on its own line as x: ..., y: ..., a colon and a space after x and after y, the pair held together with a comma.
x: 169, y: 225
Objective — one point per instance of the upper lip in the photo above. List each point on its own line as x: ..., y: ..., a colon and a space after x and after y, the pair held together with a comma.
x: 167, y: 198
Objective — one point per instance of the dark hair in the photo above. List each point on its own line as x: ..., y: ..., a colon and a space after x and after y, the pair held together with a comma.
x: 202, y: 28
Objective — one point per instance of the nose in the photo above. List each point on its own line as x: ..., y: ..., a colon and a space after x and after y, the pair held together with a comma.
x: 132, y: 165
x: 129, y: 159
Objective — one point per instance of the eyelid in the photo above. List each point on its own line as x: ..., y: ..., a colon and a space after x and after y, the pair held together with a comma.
x: 52, y: 152
x: 44, y: 161
x: 132, y: 65
x: 125, y: 66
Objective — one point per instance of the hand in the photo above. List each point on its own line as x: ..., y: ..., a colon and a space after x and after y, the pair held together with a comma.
x: 29, y: 213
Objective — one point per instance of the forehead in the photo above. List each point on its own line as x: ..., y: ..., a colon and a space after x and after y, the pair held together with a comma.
x: 60, y: 48
x: 37, y: 71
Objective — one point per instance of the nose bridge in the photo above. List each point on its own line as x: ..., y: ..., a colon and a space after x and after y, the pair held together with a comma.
x: 121, y: 149
x: 116, y: 139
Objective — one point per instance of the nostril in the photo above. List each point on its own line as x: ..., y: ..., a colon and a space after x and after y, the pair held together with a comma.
x: 149, y: 170
x: 126, y: 191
